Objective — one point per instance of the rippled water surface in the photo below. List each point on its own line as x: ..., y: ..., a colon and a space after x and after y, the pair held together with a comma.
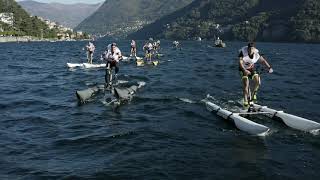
x: 164, y: 132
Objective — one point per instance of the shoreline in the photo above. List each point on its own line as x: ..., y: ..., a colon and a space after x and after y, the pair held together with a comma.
x: 7, y: 39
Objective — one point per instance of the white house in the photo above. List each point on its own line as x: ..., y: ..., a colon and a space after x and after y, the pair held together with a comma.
x: 6, y: 18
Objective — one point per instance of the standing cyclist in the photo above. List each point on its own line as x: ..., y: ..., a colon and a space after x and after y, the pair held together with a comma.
x: 133, y: 49
x: 112, y: 57
x: 90, y: 50
x: 248, y: 56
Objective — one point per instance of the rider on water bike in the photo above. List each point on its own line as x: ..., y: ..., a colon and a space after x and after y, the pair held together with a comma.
x: 248, y: 57
x: 112, y: 57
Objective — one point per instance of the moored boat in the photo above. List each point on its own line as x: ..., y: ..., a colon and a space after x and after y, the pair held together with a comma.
x: 218, y: 43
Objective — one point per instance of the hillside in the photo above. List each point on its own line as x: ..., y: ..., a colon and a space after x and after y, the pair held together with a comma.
x: 264, y: 20
x: 19, y: 23
x: 69, y: 15
x: 120, y: 17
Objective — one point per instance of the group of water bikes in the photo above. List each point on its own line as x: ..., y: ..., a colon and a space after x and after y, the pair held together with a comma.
x: 112, y: 56
x: 151, y: 49
x: 116, y: 94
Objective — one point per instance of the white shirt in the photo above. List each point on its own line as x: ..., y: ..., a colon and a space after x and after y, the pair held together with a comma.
x: 248, y: 63
x: 148, y: 46
x: 133, y: 43
x: 91, y: 47
x: 113, y: 56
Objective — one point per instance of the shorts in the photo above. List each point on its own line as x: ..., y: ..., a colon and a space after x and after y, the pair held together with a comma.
x: 112, y: 63
x: 253, y: 73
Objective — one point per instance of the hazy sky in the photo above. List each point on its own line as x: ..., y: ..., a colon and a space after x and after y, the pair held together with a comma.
x: 69, y: 1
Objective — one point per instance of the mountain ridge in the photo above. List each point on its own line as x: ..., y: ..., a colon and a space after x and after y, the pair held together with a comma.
x: 118, y: 17
x: 69, y: 15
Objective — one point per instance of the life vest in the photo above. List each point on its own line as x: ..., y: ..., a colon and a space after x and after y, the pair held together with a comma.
x: 133, y: 44
x: 248, y: 63
x: 91, y: 47
x: 150, y: 46
x: 113, y: 56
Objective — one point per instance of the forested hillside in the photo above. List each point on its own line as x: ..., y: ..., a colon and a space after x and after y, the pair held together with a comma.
x: 22, y: 24
x: 264, y: 20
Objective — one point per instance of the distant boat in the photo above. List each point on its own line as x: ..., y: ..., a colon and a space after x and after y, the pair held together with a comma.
x: 218, y: 43
x: 199, y: 39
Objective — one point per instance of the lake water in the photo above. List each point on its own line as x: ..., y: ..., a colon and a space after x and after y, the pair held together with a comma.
x: 164, y: 132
